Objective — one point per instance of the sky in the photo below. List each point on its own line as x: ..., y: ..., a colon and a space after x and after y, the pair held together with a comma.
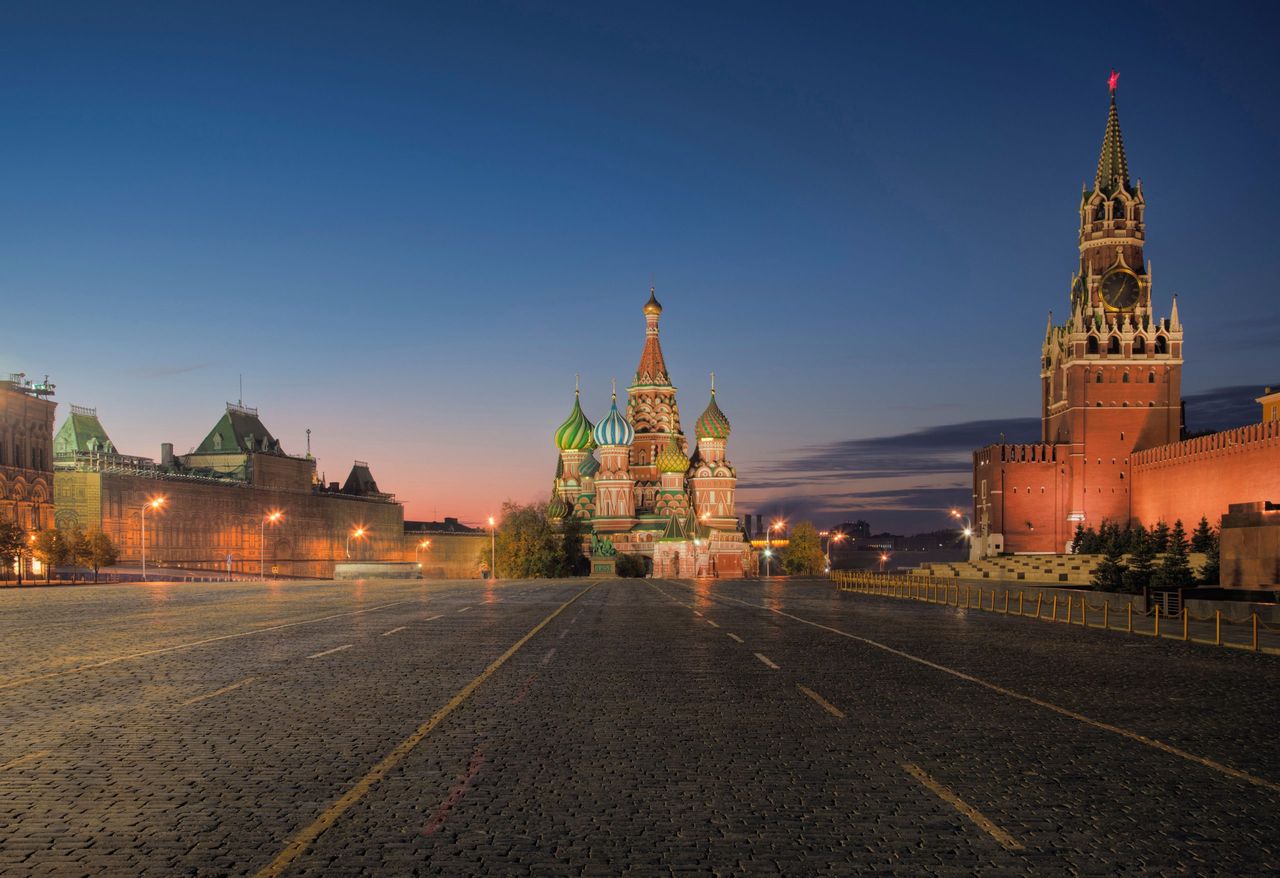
x: 407, y: 226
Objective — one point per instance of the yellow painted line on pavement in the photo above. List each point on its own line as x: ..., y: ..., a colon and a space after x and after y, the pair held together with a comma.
x: 331, y: 651
x: 22, y: 681
x: 712, y: 623
x: 23, y: 760
x: 1007, y: 841
x: 737, y: 638
x: 433, y: 618
x: 1154, y: 743
x: 394, y: 631
x: 464, y: 609
x: 303, y: 839
x: 223, y: 691
x: 822, y: 702
x: 766, y: 660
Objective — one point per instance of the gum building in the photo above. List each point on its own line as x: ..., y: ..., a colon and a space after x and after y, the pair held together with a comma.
x: 26, y: 454
x: 1113, y: 447
x: 217, y: 497
x: 639, y: 487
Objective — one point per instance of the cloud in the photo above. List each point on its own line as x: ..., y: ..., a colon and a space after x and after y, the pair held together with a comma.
x: 165, y: 371
x: 1223, y: 408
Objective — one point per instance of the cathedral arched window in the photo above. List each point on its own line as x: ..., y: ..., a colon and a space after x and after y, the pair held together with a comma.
x: 1097, y: 379
x: 1139, y: 345
x: 1113, y: 345
x: 1091, y: 346
x: 1162, y: 345
x: 1101, y: 212
x: 1117, y: 209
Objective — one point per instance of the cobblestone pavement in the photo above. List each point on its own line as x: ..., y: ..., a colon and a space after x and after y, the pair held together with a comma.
x: 636, y: 727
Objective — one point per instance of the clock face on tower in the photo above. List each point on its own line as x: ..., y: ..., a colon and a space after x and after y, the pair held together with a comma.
x: 1120, y: 290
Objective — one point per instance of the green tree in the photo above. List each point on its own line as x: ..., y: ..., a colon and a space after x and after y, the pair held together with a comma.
x: 630, y: 566
x: 1175, y: 570
x: 1211, y: 572
x: 1160, y: 537
x: 52, y: 550
x: 1077, y: 539
x: 1142, y: 562
x: 1109, y: 574
x: 1202, y: 536
x: 96, y: 550
x: 804, y: 551
x: 12, y: 541
x: 1090, y: 543
x: 531, y: 546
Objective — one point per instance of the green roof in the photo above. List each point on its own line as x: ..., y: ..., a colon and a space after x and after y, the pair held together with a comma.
x: 80, y: 432
x: 239, y: 429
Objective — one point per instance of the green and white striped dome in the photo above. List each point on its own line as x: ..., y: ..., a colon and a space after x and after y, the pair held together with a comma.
x: 575, y: 433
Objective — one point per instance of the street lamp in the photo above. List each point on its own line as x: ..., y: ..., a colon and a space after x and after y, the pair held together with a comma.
x: 883, y: 558
x: 425, y: 544
x: 836, y: 536
x: 768, y: 544
x: 154, y: 503
x: 967, y: 530
x: 357, y: 534
x: 493, y: 550
x: 272, y: 518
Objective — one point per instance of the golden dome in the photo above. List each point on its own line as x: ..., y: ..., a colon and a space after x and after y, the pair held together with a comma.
x: 653, y: 306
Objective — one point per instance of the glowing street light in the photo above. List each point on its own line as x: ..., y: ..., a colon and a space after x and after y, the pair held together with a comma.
x: 273, y: 517
x: 883, y: 558
x: 833, y: 536
x: 154, y: 503
x: 493, y: 550
x: 357, y: 534
x: 768, y: 544
x: 425, y: 544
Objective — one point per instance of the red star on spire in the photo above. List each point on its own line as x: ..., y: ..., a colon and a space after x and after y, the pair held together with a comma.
x: 1112, y: 80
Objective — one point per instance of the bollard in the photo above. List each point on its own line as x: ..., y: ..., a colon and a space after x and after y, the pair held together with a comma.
x: 1006, y: 602
x: 1186, y: 624
x: 1020, y: 602
x: 1255, y: 632
x: 1129, y: 607
x: 1084, y: 611
x: 1039, y: 598
x: 1217, y: 627
x: 1157, y: 631
x: 1069, y: 604
x: 1055, y: 608
x: 1106, y: 614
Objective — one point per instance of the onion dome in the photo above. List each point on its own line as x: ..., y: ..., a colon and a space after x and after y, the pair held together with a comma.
x: 589, y: 466
x: 575, y: 433
x: 615, y: 429
x: 671, y: 459
x: 712, y: 424
x: 653, y: 306
x: 557, y: 508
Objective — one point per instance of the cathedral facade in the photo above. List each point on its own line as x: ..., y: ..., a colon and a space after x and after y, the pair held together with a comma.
x: 639, y: 488
x: 1113, y: 445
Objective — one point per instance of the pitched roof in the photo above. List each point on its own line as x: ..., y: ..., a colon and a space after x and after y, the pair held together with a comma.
x: 239, y: 429
x: 360, y: 481
x: 1113, y: 168
x: 82, y: 431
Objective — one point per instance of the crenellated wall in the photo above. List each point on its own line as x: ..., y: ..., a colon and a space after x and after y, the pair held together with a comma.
x: 1205, y: 475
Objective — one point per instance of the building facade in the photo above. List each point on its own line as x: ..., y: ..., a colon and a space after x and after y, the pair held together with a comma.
x: 26, y: 452
x: 1112, y: 446
x: 639, y: 488
x: 217, y: 501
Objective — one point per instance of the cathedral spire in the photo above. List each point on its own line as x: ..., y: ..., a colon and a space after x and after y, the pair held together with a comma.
x: 1113, y: 169
x: 652, y: 370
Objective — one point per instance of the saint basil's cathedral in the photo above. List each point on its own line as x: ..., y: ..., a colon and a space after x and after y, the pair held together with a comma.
x: 636, y: 486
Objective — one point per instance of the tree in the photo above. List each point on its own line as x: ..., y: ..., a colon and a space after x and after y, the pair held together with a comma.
x: 1211, y: 572
x: 12, y: 542
x: 531, y: 546
x: 630, y: 566
x: 1077, y: 539
x: 1202, y: 537
x: 1142, y: 562
x: 52, y: 550
x: 1160, y: 537
x: 804, y: 551
x: 95, y: 549
x: 1090, y: 543
x: 1175, y: 570
x: 1109, y: 574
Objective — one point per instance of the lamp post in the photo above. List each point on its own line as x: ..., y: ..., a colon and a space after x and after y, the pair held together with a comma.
x: 835, y: 536
x: 884, y: 556
x: 967, y: 530
x: 768, y: 544
x: 272, y: 518
x: 357, y: 534
x: 425, y: 544
x: 155, y: 503
x: 493, y: 550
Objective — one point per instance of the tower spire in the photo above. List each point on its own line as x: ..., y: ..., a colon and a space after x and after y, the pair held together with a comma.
x: 1113, y: 168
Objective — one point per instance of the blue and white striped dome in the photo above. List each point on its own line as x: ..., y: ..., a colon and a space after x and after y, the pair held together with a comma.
x: 614, y: 429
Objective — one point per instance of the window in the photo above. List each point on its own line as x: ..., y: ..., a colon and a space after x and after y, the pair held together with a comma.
x: 1113, y: 345
x: 1162, y: 345
x: 1097, y: 379
x: 1117, y: 209
x: 1125, y: 378
x: 1091, y: 346
x: 1139, y: 345
x: 1151, y: 377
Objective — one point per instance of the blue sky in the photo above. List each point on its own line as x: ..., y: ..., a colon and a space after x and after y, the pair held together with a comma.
x: 409, y: 226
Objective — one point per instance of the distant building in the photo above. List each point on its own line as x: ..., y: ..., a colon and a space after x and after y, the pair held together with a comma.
x: 445, y: 549
x: 855, y: 529
x: 26, y: 454
x: 216, y: 499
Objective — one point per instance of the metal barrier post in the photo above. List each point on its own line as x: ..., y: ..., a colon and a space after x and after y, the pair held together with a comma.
x: 1084, y: 611
x: 1039, y: 599
x: 1157, y: 631
x: 1020, y: 602
x: 1106, y: 614
x: 1055, y: 608
x: 1217, y: 627
x: 1186, y: 623
x: 1255, y: 632
x: 1069, y: 604
x: 1006, y: 601
x: 1129, y: 607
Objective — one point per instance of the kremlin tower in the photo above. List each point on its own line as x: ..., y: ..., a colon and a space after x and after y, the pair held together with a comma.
x: 646, y: 495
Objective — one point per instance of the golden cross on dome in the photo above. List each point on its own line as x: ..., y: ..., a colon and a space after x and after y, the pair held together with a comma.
x: 1113, y: 80
x: 577, y: 382
x: 713, y: 383
x: 614, y: 382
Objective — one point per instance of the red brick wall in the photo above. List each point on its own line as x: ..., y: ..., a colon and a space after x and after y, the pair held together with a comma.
x: 1026, y: 496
